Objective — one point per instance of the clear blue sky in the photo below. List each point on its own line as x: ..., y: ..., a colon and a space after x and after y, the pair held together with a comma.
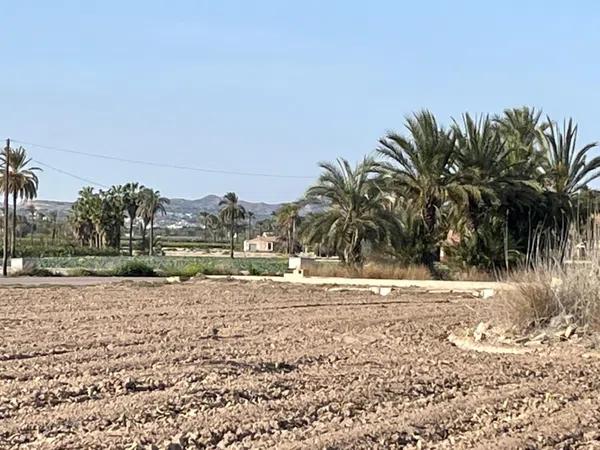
x: 274, y: 86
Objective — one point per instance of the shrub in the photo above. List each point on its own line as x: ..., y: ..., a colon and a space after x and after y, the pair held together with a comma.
x: 552, y: 290
x: 134, y: 269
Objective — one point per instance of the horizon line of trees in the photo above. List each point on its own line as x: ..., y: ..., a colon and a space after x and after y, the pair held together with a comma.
x: 494, y: 185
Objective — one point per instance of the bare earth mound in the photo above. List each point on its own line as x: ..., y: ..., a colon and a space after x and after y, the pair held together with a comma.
x: 256, y: 365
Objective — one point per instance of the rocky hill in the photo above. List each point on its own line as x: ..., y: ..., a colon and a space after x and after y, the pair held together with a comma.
x: 179, y: 211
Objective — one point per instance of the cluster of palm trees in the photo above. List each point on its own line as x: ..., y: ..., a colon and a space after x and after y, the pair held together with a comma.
x: 23, y: 184
x: 493, y: 181
x: 97, y: 218
x: 233, y: 217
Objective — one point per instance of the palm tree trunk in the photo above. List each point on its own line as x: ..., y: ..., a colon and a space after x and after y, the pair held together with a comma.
x: 232, y: 233
x: 13, y: 250
x: 131, y: 237
x: 293, y: 234
x: 151, y: 250
x: 143, y: 230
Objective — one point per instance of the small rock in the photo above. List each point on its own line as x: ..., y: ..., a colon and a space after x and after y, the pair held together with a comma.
x: 479, y: 333
x: 245, y: 272
x: 487, y: 293
x: 172, y: 280
x: 385, y: 291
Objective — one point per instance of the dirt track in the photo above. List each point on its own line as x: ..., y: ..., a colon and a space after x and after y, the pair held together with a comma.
x: 258, y: 365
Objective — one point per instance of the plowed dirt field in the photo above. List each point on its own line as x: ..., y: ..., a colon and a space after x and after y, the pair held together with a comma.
x: 224, y: 364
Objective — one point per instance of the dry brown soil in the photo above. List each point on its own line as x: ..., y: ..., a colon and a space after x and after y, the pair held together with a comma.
x: 256, y: 365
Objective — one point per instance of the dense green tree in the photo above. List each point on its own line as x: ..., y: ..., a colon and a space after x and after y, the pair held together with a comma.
x: 132, y: 202
x: 23, y: 183
x: 353, y: 210
x: 419, y: 167
x: 287, y: 219
x: 231, y: 211
x: 151, y: 204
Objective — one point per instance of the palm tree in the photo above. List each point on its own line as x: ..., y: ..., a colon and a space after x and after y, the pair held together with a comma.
x: 53, y: 220
x: 131, y: 203
x: 32, y: 212
x: 22, y: 183
x: 203, y: 219
x: 151, y: 204
x: 287, y: 217
x: 250, y: 217
x: 230, y: 212
x: 354, y: 211
x: 487, y: 170
x: 568, y: 170
x: 419, y: 167
x: 521, y: 129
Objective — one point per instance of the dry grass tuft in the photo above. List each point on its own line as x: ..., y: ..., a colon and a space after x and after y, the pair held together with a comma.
x: 553, y: 290
x: 373, y: 270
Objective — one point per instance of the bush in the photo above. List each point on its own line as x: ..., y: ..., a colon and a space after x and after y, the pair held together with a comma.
x: 551, y: 291
x: 134, y: 269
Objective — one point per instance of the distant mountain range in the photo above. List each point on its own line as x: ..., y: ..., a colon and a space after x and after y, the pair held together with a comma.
x: 180, y: 211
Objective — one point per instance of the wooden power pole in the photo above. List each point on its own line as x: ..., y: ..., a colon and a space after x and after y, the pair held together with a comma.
x: 6, y: 175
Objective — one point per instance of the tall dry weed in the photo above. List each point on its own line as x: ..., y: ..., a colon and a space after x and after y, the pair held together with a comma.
x: 373, y: 270
x: 563, y: 283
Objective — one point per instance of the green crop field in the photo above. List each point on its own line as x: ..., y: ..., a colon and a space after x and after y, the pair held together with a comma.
x: 170, y: 265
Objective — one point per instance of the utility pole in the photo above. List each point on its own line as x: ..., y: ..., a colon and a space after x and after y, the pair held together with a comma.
x: 6, y: 175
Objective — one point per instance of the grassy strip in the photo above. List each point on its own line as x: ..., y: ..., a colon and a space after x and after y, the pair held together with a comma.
x: 164, y: 266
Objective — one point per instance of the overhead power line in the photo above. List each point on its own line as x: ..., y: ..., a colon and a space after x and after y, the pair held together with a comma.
x: 161, y: 165
x: 64, y: 172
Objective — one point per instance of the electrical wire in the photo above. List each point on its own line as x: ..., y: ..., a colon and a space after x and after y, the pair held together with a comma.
x: 161, y: 165
x: 64, y: 172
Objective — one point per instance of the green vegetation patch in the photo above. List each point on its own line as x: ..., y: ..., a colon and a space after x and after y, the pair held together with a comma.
x: 168, y: 265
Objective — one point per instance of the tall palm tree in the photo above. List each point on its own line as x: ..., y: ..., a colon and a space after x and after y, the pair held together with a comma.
x: 151, y: 204
x: 568, y: 169
x: 203, y: 219
x: 23, y: 183
x: 32, y: 213
x: 250, y: 215
x: 53, y: 220
x: 354, y: 212
x: 419, y: 167
x: 287, y: 218
x: 230, y: 212
x: 487, y: 170
x: 131, y: 203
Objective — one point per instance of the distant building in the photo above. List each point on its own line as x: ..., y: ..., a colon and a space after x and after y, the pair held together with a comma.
x: 263, y: 243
